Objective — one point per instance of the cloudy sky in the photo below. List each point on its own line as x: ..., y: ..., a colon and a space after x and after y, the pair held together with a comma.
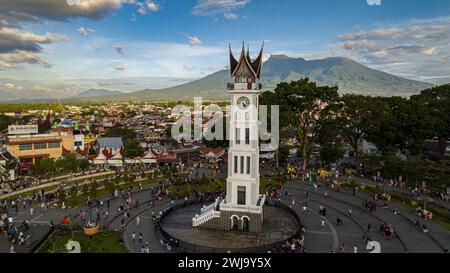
x: 76, y: 44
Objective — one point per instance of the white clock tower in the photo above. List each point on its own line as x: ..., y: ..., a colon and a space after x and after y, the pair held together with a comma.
x: 242, y: 209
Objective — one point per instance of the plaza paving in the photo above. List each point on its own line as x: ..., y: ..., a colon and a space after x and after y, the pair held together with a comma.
x: 317, y: 239
x: 278, y: 225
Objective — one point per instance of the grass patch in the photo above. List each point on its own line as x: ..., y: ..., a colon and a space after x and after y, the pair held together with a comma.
x: 183, y: 190
x: 104, y: 242
x: 440, y: 216
x: 81, y: 200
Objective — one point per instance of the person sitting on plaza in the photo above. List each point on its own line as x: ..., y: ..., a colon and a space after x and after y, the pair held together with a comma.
x: 339, y: 222
x: 417, y: 224
x: 305, y: 208
x: 425, y: 229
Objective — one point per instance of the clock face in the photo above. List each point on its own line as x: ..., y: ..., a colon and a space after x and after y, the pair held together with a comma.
x: 243, y: 103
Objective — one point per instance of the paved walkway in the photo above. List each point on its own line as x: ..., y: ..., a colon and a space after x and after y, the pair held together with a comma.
x: 409, y: 239
x: 317, y: 239
x: 40, y: 221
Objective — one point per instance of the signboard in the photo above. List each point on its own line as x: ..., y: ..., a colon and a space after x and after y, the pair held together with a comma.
x: 22, y: 129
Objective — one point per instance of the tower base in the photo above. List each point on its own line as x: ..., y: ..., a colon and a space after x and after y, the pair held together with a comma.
x: 235, y: 221
x: 228, y: 217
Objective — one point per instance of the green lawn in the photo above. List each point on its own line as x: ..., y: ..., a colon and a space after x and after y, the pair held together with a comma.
x: 104, y: 242
x: 81, y: 200
x: 440, y: 216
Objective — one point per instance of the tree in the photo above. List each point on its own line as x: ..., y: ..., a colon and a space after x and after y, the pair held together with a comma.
x: 73, y: 192
x: 69, y: 163
x: 331, y: 152
x: 44, y: 166
x: 303, y: 107
x: 134, y: 149
x: 110, y: 187
x: 61, y: 197
x: 85, y: 188
x: 125, y: 134
x: 94, y: 189
x: 5, y: 121
x: 84, y: 164
x: 390, y: 124
x: 435, y: 116
x: 353, y: 119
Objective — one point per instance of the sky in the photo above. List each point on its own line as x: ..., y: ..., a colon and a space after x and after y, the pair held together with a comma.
x: 128, y: 45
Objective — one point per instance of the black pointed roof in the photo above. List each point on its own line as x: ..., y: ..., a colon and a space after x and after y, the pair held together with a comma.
x: 233, y: 61
x: 254, y: 66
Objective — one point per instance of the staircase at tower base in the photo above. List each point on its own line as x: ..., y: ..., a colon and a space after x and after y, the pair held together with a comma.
x: 227, y: 217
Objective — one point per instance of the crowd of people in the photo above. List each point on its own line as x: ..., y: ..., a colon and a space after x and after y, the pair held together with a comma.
x: 15, y: 234
x: 294, y: 245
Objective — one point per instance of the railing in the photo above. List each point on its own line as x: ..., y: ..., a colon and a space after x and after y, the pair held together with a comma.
x: 244, y: 86
x: 205, y: 217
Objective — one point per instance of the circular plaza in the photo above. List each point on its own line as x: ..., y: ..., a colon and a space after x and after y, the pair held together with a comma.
x: 280, y: 224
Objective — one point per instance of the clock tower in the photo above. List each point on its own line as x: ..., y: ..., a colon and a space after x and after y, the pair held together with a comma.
x: 242, y: 208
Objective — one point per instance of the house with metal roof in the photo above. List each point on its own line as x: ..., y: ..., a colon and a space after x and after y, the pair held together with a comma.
x: 112, y: 144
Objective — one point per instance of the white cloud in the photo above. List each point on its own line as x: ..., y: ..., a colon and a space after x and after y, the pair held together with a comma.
x: 22, y: 56
x: 194, y: 40
x: 84, y: 31
x: 214, y: 7
x: 419, y: 47
x: 119, y: 67
x: 152, y: 6
x: 12, y: 87
x: 147, y: 7
x: 16, y: 39
x: 374, y: 2
x: 230, y: 16
x: 17, y: 43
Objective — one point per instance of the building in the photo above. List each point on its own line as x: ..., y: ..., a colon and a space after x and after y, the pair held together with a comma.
x: 112, y: 144
x: 242, y: 209
x: 78, y: 140
x: 212, y: 154
x: 30, y: 148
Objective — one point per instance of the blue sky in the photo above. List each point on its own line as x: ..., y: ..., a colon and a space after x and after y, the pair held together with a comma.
x: 158, y: 43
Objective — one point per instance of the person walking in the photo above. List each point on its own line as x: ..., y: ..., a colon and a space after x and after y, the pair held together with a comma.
x: 138, y: 221
x: 355, y: 249
x: 322, y: 223
x: 133, y: 237
x: 141, y: 239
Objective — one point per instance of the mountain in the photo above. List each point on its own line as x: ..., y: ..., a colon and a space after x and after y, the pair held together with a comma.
x: 350, y: 76
x: 97, y: 93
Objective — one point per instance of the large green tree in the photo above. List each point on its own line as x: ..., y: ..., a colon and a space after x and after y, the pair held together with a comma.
x: 303, y: 107
x: 353, y: 119
x: 434, y: 106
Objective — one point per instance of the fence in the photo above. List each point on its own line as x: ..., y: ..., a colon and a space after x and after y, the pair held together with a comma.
x: 186, y: 247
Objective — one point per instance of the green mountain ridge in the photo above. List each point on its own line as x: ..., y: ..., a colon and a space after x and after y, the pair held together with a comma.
x: 350, y: 76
